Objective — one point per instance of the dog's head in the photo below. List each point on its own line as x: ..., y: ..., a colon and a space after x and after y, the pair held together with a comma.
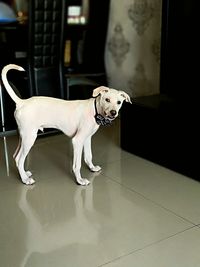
x: 110, y: 101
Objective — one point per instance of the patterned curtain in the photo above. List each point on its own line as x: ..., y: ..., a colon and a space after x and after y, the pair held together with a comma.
x: 132, y: 54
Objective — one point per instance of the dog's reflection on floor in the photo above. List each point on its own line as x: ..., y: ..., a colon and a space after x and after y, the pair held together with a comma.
x: 79, y: 227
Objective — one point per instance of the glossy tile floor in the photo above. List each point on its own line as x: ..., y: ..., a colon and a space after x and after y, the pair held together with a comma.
x: 134, y: 213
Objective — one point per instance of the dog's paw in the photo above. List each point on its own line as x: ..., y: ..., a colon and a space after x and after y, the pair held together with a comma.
x: 28, y: 173
x: 95, y: 169
x: 83, y: 181
x: 28, y: 181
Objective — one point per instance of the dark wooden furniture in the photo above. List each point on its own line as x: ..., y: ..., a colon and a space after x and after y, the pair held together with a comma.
x: 164, y: 128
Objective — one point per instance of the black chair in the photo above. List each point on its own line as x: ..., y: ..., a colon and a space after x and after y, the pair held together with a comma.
x: 86, y: 69
x: 47, y: 20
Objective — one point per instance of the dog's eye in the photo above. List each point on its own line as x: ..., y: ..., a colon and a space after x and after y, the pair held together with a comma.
x: 108, y: 100
x: 118, y: 102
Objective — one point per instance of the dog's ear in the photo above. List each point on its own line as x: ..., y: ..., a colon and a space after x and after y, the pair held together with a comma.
x: 99, y: 90
x: 126, y: 96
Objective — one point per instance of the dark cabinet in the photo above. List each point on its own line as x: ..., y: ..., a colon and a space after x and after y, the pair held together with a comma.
x: 164, y: 128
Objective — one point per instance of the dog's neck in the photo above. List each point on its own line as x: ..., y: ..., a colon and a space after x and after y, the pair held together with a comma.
x: 100, y: 119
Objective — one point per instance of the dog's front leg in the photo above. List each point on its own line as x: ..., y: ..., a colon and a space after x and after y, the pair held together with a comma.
x: 88, y: 155
x: 77, y: 143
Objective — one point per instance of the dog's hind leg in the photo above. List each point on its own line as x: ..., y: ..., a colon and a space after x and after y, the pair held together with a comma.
x: 88, y: 156
x: 27, y: 142
x: 17, y: 154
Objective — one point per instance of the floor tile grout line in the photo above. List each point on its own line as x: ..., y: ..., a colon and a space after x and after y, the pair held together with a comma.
x: 104, y: 163
x: 152, y: 201
x: 148, y: 245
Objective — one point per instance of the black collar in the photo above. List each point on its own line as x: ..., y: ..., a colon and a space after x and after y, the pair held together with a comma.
x: 100, y: 120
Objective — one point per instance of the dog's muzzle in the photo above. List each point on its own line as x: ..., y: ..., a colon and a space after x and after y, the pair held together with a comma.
x: 113, y: 113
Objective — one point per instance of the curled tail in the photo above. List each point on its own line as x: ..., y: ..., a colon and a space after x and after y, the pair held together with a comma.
x: 9, y: 89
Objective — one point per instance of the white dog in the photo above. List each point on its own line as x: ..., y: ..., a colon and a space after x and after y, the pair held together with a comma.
x: 78, y: 119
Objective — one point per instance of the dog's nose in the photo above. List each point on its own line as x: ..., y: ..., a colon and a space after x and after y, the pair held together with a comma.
x: 113, y: 112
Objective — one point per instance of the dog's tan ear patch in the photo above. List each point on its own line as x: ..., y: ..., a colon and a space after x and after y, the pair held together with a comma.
x: 126, y: 96
x: 99, y: 90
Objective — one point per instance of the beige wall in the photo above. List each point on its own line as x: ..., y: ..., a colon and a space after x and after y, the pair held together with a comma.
x: 133, y: 46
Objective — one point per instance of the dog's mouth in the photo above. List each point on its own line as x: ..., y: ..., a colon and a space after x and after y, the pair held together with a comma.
x: 109, y: 117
